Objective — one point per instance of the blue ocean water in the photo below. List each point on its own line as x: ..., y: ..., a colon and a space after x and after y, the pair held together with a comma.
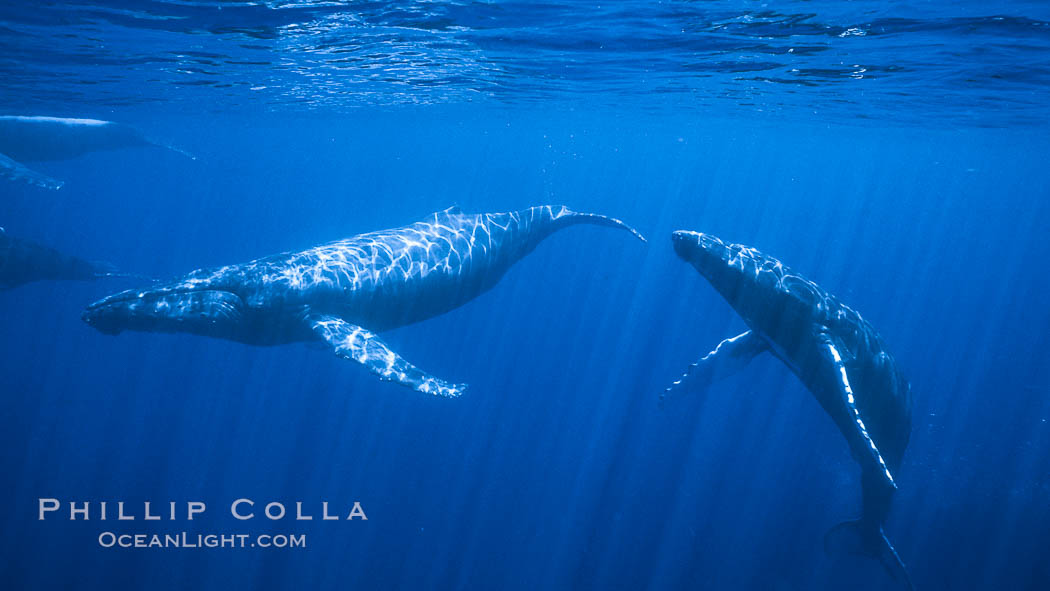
x: 895, y: 153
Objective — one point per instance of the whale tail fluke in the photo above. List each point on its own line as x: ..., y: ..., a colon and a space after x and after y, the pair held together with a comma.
x: 856, y: 538
x: 569, y: 217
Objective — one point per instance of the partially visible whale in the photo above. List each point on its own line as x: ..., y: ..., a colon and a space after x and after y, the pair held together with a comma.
x: 344, y: 292
x: 836, y: 354
x: 33, y: 139
x: 25, y: 261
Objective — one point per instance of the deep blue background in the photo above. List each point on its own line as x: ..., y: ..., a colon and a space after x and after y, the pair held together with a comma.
x: 557, y: 470
x: 893, y: 152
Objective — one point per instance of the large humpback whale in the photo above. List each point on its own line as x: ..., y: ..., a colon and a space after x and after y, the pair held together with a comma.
x: 343, y: 292
x: 833, y: 351
x: 24, y: 261
x: 26, y: 139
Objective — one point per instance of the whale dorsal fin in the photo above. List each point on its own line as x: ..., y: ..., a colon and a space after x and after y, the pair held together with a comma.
x: 454, y: 210
x: 350, y: 341
x: 859, y: 439
x: 729, y: 357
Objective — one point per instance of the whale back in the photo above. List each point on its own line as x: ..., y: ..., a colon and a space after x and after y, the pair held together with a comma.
x: 400, y: 276
x: 54, y: 138
x: 394, y: 277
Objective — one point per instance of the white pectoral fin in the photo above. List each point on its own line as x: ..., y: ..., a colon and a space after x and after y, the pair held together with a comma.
x: 859, y: 439
x: 350, y: 341
x: 16, y: 171
x: 728, y: 358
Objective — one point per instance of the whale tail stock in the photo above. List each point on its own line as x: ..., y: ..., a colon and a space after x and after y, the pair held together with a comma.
x: 563, y: 216
x: 858, y: 538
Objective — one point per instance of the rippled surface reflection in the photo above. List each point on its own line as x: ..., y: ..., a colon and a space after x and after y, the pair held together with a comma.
x: 980, y: 63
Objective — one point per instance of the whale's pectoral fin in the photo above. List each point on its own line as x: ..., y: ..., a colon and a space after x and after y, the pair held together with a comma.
x: 16, y: 171
x: 860, y: 441
x: 729, y: 357
x: 353, y: 342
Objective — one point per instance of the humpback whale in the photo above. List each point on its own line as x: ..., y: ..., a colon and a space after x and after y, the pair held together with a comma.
x: 836, y: 354
x: 25, y: 261
x: 343, y: 292
x: 26, y: 139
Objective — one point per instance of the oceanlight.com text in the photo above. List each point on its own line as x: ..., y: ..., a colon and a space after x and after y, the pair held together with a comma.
x: 108, y: 539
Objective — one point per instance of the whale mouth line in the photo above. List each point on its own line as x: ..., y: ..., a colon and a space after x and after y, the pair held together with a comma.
x: 165, y: 310
x: 135, y: 295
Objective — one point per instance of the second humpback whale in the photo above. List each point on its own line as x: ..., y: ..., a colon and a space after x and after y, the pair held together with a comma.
x: 836, y: 354
x: 345, y: 291
x: 35, y: 138
x: 24, y: 261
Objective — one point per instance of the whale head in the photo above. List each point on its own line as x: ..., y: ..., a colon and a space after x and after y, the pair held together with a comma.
x: 730, y: 268
x: 207, y: 312
x: 761, y: 289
